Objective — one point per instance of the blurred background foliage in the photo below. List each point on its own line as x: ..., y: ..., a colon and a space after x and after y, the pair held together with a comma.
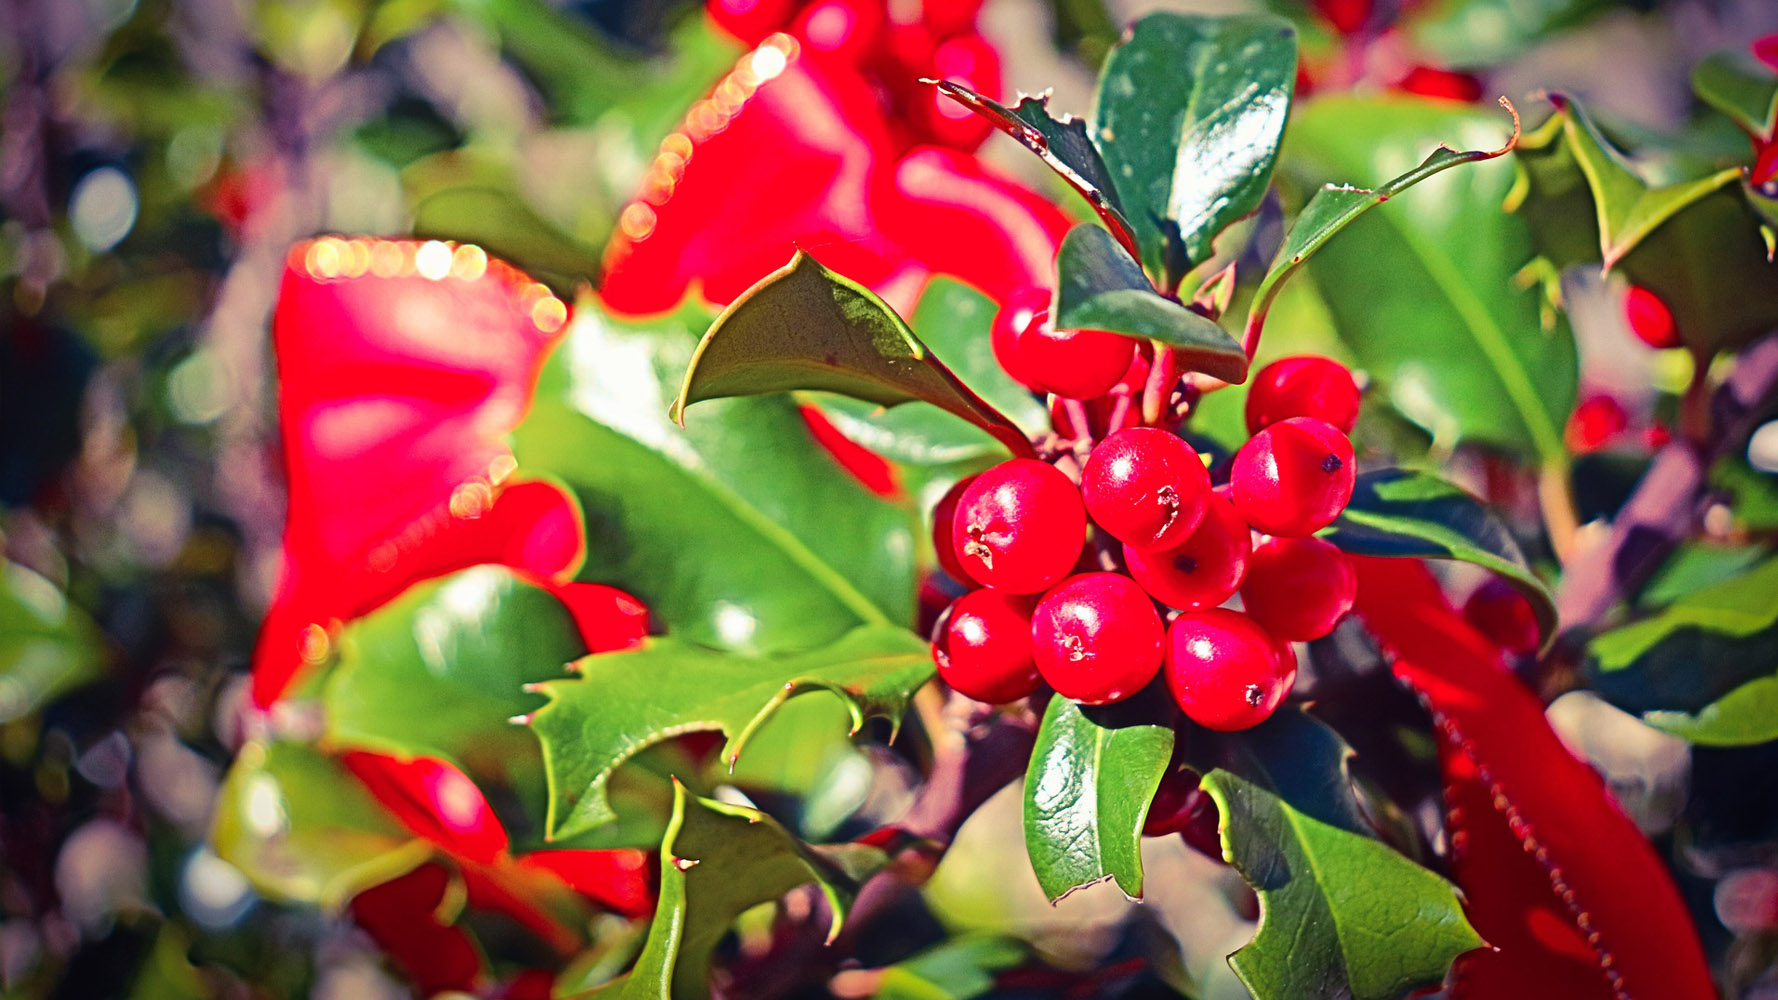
x: 158, y: 157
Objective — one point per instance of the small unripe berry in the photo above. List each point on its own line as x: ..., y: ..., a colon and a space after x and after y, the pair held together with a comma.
x: 1305, y: 385
x: 1298, y: 588
x: 1294, y: 477
x: 1205, y: 569
x: 1019, y: 526
x: 1097, y: 638
x: 1024, y: 309
x: 983, y: 648
x: 1503, y: 615
x: 1224, y: 670
x: 1146, y: 487
x: 944, y: 515
x: 1650, y: 319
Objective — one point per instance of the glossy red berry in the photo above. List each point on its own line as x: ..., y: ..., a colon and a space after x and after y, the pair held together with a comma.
x: 1019, y: 526
x: 1180, y: 806
x: 944, y: 516
x: 1224, y: 669
x: 1298, y: 588
x: 1097, y: 638
x: 1595, y: 423
x: 1146, y: 486
x: 847, y: 30
x: 1503, y: 615
x: 1205, y: 569
x: 983, y: 648
x: 1294, y: 477
x: 1304, y: 385
x: 1078, y: 364
x: 1650, y: 319
x: 1024, y: 309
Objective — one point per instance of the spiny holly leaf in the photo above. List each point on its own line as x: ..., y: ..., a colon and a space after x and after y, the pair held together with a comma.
x: 1740, y: 87
x: 1091, y: 778
x: 1701, y: 668
x: 737, y: 531
x: 805, y: 327
x: 1065, y: 145
x: 1397, y: 512
x: 1101, y: 287
x: 1695, y: 243
x: 953, y: 320
x: 442, y: 669
x: 1612, y: 883
x: 1188, y: 117
x: 717, y: 862
x: 1341, y: 914
x: 47, y: 646
x: 625, y: 701
x: 1423, y: 292
x: 303, y: 830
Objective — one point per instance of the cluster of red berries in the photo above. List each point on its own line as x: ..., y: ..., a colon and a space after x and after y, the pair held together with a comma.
x: 1081, y: 612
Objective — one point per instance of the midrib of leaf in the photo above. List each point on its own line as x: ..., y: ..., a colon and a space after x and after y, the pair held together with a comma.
x: 773, y: 532
x: 1290, y: 817
x: 1491, y: 339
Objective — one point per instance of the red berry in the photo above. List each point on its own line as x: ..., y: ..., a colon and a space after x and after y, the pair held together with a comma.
x: 1298, y: 588
x: 1097, y: 638
x: 843, y: 29
x: 1294, y: 477
x: 1650, y: 319
x: 1078, y: 364
x: 1431, y: 81
x: 1594, y: 423
x: 751, y: 20
x: 943, y: 516
x: 1205, y: 569
x: 1019, y: 526
x: 1146, y: 486
x: 983, y: 648
x: 1024, y: 308
x: 1503, y: 615
x: 1170, y: 810
x: 969, y: 60
x: 1224, y: 670
x: 1306, y: 385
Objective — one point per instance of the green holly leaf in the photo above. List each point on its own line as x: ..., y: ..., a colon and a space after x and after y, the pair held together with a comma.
x: 737, y: 531
x: 1092, y: 775
x: 1341, y: 914
x: 627, y: 700
x: 1423, y: 292
x: 1700, y: 668
x: 717, y: 862
x: 441, y: 671
x: 304, y: 831
x: 1188, y: 117
x: 1740, y: 87
x: 1481, y: 34
x: 954, y: 321
x: 958, y: 969
x: 1065, y: 145
x: 805, y: 327
x: 1695, y: 243
x: 47, y: 645
x: 1415, y: 515
x: 1292, y: 755
x: 1101, y: 287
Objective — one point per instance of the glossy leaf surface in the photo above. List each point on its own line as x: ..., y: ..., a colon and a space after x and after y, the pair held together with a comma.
x: 1091, y: 778
x: 625, y: 701
x: 1741, y: 88
x: 1101, y: 287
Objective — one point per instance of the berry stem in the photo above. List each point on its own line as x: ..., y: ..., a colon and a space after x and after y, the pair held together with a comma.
x: 1162, y: 375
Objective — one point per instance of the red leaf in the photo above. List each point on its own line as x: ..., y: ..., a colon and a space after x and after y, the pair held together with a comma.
x: 865, y: 465
x: 619, y: 880
x: 607, y: 618
x: 404, y: 917
x: 433, y: 800
x: 1612, y: 888
x: 401, y: 368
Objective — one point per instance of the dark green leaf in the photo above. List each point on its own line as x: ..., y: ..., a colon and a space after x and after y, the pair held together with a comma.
x: 503, y: 223
x: 1293, y: 755
x: 1188, y: 117
x: 302, y: 830
x: 47, y: 646
x: 717, y: 862
x: 1065, y: 145
x: 959, y: 969
x: 1694, y: 566
x: 1742, y: 606
x: 1091, y: 778
x: 628, y: 700
x: 953, y: 320
x: 1398, y: 512
x: 738, y: 530
x: 805, y: 327
x: 1743, y: 717
x: 1423, y: 291
x: 1101, y: 287
x: 1740, y: 87
x: 1341, y: 915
